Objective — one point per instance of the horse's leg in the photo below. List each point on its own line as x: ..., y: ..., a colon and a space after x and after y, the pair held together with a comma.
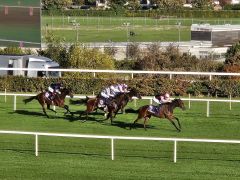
x: 136, y: 120
x: 49, y: 107
x: 145, y: 121
x: 170, y: 119
x: 67, y: 109
x: 179, y: 125
x: 44, y: 110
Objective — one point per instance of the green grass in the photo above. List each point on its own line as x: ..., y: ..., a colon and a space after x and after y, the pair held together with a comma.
x: 76, y: 158
x: 103, y: 29
x: 20, y: 2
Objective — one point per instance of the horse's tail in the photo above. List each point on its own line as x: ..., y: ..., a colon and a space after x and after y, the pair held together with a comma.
x: 80, y: 101
x: 29, y: 99
x: 130, y: 110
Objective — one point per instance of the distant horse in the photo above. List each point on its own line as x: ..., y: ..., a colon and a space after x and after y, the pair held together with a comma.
x: 163, y: 111
x: 57, y: 101
x: 120, y: 101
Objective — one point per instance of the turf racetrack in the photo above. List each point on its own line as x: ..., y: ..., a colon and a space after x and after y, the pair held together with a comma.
x: 117, y: 29
x: 20, y: 21
x: 75, y: 158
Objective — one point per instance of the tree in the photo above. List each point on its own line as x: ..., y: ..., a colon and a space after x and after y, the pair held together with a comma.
x: 55, y: 49
x: 168, y: 4
x: 233, y: 55
x: 202, y: 4
x: 78, y: 2
x: 224, y: 2
x: 60, y: 4
x: 116, y: 5
x: 133, y: 4
x: 84, y: 58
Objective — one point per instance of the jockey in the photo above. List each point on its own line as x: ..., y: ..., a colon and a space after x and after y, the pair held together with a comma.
x: 110, y: 92
x: 159, y: 99
x: 162, y: 98
x: 53, y: 89
x: 118, y: 88
x: 104, y: 97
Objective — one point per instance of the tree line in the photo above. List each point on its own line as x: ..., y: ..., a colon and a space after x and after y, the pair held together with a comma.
x: 135, y: 4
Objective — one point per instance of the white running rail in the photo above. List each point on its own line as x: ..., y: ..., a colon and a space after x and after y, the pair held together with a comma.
x: 144, y: 97
x: 94, y: 71
x: 113, y: 138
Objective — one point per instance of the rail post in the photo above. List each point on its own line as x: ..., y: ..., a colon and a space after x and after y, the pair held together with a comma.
x: 135, y: 102
x: 112, y: 148
x: 189, y: 101
x: 5, y: 95
x: 208, y: 108
x: 230, y: 103
x: 175, y: 152
x: 210, y: 77
x: 36, y: 144
x: 15, y: 103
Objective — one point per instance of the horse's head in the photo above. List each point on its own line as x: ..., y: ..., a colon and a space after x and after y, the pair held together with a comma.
x: 67, y: 92
x: 134, y: 92
x: 179, y: 103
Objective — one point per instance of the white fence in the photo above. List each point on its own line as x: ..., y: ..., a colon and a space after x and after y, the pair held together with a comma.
x: 94, y: 71
x: 113, y: 138
x: 144, y: 97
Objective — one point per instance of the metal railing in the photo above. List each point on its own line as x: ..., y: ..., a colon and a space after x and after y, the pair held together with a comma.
x: 113, y: 138
x: 94, y: 71
x: 144, y: 97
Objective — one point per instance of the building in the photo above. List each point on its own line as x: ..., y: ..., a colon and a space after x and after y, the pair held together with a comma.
x: 217, y: 35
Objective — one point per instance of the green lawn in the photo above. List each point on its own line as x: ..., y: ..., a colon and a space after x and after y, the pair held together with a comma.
x: 103, y: 29
x: 75, y: 158
x: 20, y: 2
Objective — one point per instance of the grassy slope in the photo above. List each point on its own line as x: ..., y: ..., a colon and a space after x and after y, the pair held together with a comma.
x: 102, y: 29
x: 20, y: 2
x: 73, y: 158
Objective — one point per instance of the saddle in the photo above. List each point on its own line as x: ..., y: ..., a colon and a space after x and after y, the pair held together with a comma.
x: 154, y: 109
x: 50, y: 95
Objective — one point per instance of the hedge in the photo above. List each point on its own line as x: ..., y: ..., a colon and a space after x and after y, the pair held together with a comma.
x: 147, y: 13
x: 147, y: 86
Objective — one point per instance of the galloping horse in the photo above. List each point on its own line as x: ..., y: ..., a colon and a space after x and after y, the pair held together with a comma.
x: 57, y: 101
x: 120, y: 101
x: 163, y: 111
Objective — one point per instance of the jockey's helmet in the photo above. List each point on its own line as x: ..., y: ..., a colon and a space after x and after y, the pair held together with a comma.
x: 124, y: 86
x: 167, y: 95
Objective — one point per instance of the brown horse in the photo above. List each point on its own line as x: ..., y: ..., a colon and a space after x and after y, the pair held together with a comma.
x: 120, y: 101
x: 57, y: 101
x: 164, y: 111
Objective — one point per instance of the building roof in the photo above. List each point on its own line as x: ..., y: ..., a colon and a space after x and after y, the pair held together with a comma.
x: 208, y: 27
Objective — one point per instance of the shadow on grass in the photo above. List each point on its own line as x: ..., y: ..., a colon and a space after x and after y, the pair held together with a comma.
x: 30, y: 113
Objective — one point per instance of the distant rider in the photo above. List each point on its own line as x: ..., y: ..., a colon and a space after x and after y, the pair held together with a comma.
x: 110, y: 92
x: 162, y: 98
x: 54, y: 89
x: 159, y: 99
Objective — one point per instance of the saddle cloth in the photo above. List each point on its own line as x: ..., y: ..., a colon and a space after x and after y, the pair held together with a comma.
x: 154, y: 109
x: 49, y: 95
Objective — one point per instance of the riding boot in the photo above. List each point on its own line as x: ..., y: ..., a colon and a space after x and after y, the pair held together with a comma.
x: 105, y: 109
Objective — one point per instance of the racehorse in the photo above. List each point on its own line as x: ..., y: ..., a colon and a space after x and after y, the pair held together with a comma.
x: 57, y: 101
x: 120, y: 101
x: 163, y: 111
